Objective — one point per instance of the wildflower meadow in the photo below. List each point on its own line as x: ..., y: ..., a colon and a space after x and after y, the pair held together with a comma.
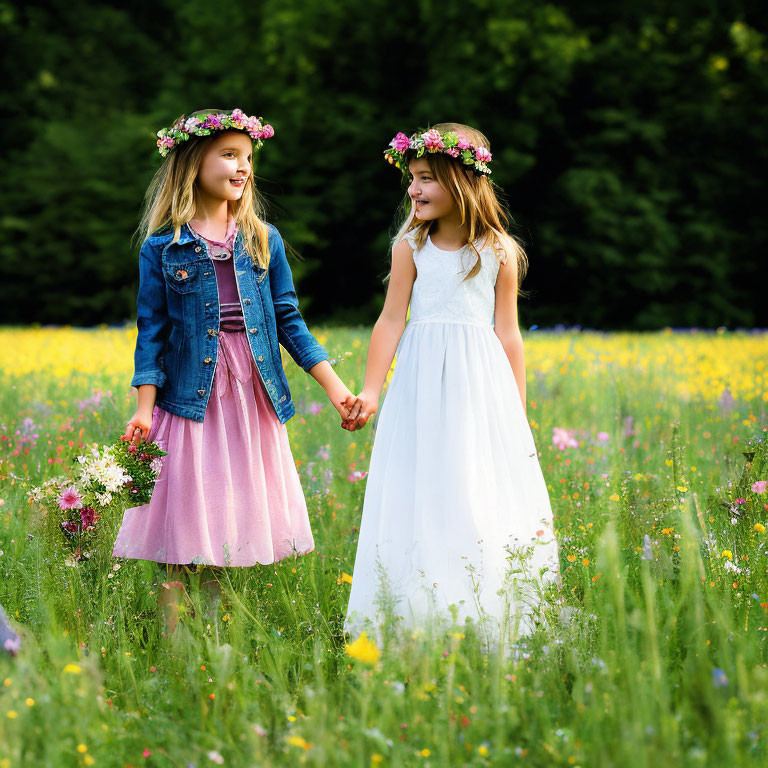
x: 651, y: 652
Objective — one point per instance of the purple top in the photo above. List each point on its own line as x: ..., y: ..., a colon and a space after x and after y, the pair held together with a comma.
x: 230, y: 310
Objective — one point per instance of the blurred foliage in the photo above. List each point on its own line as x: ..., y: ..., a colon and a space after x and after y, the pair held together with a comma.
x: 628, y: 141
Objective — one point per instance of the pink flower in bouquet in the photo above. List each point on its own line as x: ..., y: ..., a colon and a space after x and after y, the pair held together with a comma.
x: 759, y: 486
x: 483, y: 155
x: 69, y: 526
x: 433, y: 141
x: 70, y: 499
x: 88, y: 517
x: 563, y: 438
x: 400, y: 143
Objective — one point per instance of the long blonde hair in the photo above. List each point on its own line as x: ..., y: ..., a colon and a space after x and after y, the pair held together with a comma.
x: 475, y: 195
x: 170, y: 200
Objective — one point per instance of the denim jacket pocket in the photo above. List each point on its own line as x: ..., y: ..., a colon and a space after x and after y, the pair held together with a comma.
x: 182, y: 277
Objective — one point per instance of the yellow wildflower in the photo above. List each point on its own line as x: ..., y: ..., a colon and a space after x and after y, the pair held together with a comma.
x: 297, y: 741
x: 364, y: 650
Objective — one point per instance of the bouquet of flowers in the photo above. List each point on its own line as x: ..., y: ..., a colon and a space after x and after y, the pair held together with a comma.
x: 119, y: 475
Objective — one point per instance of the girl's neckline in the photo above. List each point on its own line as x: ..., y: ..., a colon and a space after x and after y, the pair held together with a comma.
x: 443, y: 250
x: 231, y: 232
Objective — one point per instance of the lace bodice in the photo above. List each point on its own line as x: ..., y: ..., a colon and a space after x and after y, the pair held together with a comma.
x: 440, y: 293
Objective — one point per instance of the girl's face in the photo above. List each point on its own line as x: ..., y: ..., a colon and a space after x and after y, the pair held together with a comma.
x: 226, y: 166
x: 432, y: 200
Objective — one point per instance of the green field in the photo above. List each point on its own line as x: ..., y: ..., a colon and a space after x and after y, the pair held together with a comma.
x: 652, y: 654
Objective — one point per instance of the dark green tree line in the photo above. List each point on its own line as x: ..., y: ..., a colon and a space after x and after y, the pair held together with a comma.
x: 627, y: 138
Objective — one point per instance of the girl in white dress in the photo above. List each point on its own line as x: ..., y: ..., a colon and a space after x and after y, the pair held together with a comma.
x: 456, y: 519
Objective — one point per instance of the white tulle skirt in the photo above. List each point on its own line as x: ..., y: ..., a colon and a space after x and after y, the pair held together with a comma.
x: 456, y: 520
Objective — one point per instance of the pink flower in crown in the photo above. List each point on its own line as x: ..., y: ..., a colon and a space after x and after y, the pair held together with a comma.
x: 463, y: 142
x: 191, y: 124
x: 165, y: 142
x: 267, y: 132
x: 70, y: 499
x: 452, y: 151
x: 213, y: 122
x: 433, y: 141
x: 400, y: 143
x: 238, y: 117
x: 483, y: 155
x: 253, y: 126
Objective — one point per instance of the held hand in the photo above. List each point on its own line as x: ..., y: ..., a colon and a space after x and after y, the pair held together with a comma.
x: 138, y: 427
x: 345, y: 407
x: 366, y: 406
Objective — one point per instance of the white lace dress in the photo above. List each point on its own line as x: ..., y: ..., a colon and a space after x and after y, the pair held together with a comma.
x: 455, y: 494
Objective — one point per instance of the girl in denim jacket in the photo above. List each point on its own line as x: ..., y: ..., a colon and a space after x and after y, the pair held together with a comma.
x: 216, y: 300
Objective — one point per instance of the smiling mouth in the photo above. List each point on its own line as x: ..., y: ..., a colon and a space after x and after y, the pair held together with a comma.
x: 237, y: 182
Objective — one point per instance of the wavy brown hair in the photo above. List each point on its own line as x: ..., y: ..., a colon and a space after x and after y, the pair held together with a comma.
x: 171, y: 199
x: 477, y: 199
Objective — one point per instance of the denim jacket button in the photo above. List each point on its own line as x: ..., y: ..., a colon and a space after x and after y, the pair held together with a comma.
x: 283, y: 399
x: 261, y: 358
x: 212, y: 332
x: 253, y: 330
x: 198, y: 248
x: 246, y: 301
x: 208, y: 360
x: 201, y: 392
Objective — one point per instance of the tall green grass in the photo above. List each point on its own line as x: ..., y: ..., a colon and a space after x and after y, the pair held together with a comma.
x: 651, y: 654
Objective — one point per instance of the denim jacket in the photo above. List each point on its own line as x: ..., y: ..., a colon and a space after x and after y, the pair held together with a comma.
x: 178, y: 322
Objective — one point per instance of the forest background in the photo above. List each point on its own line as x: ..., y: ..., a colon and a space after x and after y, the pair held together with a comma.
x: 628, y: 137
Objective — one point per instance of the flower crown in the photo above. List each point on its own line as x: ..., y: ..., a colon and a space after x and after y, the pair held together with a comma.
x: 205, y: 122
x: 450, y: 143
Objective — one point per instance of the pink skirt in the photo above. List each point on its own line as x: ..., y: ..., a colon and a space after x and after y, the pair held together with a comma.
x: 228, y: 493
